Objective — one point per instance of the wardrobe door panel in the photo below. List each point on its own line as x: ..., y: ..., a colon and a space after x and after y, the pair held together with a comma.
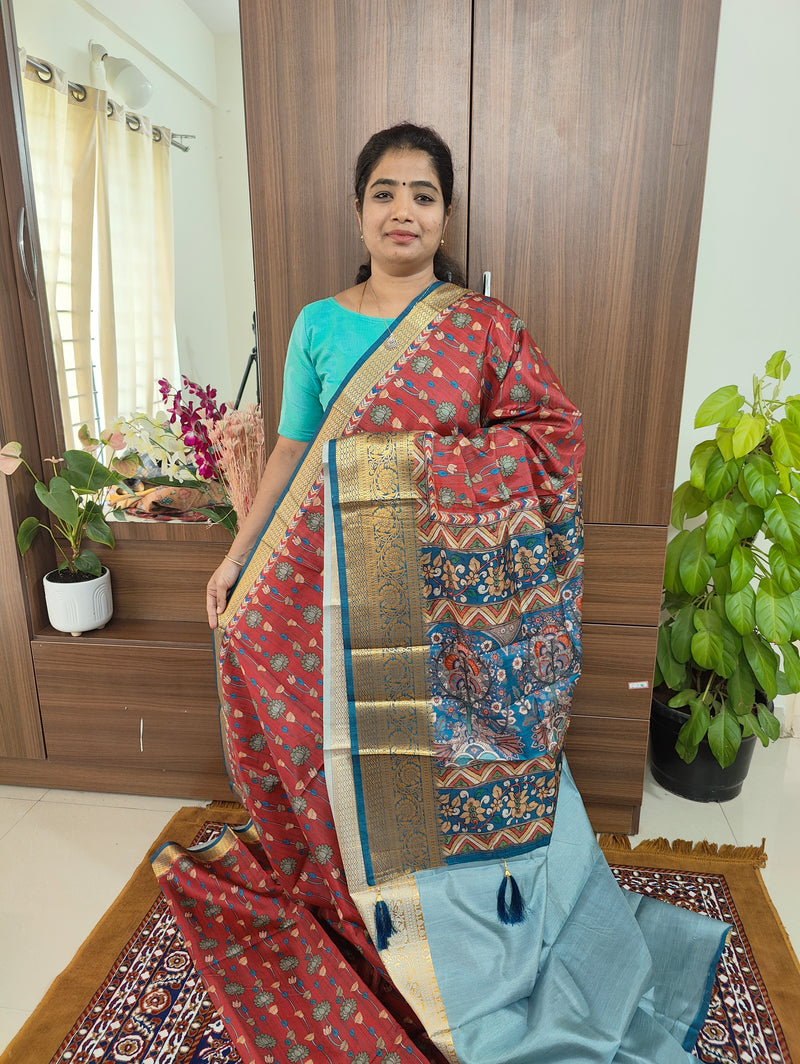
x: 590, y: 130
x: 624, y: 572
x: 616, y: 671
x: 320, y: 77
x: 606, y: 756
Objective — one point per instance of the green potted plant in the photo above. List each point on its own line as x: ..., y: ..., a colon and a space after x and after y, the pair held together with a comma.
x: 78, y: 591
x: 731, y: 602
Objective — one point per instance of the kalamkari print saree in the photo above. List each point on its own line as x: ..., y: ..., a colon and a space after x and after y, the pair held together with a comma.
x: 419, y: 881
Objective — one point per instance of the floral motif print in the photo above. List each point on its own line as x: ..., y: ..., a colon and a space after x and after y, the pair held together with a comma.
x: 380, y: 414
x: 507, y: 464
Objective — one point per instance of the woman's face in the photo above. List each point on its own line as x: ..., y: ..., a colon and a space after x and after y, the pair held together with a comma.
x: 403, y: 216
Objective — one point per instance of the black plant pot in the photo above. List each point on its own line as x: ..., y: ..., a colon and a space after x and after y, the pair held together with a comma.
x: 703, y: 780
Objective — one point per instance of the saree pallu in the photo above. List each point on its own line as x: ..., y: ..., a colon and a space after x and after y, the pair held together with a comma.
x: 412, y: 794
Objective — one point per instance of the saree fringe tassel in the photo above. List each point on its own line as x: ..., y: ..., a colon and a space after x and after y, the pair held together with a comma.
x: 515, y: 912
x: 752, y: 855
x: 384, y: 928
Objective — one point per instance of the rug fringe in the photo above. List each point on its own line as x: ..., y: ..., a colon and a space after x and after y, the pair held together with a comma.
x: 752, y: 855
x: 220, y: 806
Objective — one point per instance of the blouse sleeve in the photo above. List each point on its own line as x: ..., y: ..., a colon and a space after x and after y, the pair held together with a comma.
x: 301, y: 408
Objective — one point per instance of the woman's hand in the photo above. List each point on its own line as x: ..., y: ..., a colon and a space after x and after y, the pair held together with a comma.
x: 281, y: 464
x: 222, y: 580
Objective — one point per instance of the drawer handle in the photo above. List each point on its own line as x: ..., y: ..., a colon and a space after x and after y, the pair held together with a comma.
x: 141, y: 735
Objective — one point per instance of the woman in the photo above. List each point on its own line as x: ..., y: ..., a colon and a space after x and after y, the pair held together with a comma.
x: 419, y: 881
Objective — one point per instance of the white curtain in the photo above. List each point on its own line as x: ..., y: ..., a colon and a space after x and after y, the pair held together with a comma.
x: 62, y: 142
x: 104, y: 204
x: 137, y: 287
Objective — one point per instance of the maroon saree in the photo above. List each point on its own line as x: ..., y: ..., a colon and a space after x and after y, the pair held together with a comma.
x: 429, y: 552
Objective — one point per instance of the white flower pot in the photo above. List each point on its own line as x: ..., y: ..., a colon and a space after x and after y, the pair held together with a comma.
x: 80, y: 606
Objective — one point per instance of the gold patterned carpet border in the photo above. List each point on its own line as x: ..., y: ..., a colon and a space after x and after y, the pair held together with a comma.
x: 733, y: 870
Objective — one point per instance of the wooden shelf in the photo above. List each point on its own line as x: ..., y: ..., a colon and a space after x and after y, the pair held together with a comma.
x: 180, y: 635
x: 171, y: 532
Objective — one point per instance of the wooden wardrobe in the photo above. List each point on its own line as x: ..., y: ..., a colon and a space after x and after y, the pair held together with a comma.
x: 579, y: 130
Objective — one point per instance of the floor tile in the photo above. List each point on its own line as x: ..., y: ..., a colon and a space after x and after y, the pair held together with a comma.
x: 665, y: 815
x: 12, y: 810
x: 64, y: 865
x: 32, y: 794
x: 120, y: 801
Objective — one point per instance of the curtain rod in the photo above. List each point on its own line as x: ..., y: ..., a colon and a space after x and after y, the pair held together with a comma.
x: 132, y: 120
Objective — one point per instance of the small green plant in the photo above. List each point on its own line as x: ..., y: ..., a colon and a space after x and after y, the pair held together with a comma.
x: 731, y: 605
x: 74, y: 496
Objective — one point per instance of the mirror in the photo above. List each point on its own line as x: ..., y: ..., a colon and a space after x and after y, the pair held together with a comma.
x: 190, y: 51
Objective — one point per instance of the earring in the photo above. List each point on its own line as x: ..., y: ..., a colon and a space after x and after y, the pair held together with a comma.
x: 441, y: 243
x: 362, y: 238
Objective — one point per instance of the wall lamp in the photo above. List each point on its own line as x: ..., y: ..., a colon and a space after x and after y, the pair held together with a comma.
x: 122, y: 77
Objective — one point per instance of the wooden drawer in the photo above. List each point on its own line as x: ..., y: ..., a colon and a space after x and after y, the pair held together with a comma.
x: 161, y: 580
x: 133, y: 707
x: 614, y: 657
x: 607, y: 759
x: 624, y: 573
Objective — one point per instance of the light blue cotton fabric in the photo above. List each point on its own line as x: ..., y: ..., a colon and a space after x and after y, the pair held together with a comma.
x: 593, y: 976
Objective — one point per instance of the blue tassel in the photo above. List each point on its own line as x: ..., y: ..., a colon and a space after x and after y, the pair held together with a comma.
x: 515, y: 912
x: 383, y: 924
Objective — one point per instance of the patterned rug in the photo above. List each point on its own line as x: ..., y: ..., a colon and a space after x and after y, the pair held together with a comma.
x: 132, y: 996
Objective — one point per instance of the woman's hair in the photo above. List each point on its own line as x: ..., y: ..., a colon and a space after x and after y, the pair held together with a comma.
x: 408, y: 137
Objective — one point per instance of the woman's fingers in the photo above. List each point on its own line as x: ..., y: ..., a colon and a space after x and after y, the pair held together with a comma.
x: 217, y: 588
x: 211, y: 602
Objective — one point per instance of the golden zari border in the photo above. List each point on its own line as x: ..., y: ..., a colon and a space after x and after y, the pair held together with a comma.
x: 408, y: 957
x: 214, y: 851
x: 349, y: 399
x: 388, y: 651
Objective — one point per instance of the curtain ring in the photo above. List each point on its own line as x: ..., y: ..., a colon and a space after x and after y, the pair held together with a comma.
x: 45, y: 75
x: 133, y: 123
x: 109, y: 109
x: 77, y: 92
x: 156, y: 134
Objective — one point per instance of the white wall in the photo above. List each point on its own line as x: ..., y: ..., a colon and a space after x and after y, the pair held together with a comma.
x: 196, y: 91
x: 747, y: 288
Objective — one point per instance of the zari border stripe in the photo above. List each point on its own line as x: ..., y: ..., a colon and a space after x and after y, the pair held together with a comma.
x: 408, y: 960
x: 381, y: 585
x: 371, y: 367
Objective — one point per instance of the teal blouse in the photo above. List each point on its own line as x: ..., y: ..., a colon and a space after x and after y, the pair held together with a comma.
x: 326, y: 342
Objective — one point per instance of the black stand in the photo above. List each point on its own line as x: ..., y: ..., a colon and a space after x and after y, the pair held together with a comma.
x: 252, y: 360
